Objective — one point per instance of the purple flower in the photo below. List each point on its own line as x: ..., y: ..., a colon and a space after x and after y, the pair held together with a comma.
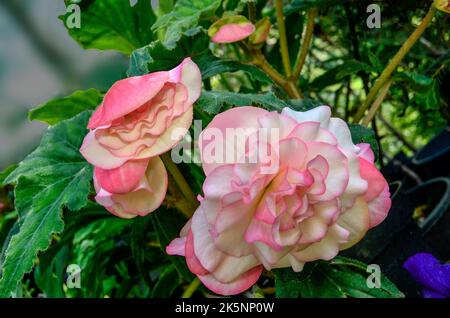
x: 431, y: 274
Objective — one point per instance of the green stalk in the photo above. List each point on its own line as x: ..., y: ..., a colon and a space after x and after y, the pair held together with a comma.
x: 392, y: 66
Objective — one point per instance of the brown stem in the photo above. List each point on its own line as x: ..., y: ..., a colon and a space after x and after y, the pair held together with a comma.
x: 283, y: 39
x: 377, y: 103
x: 190, y: 202
x: 392, y: 66
x: 396, y: 133
x: 306, y: 43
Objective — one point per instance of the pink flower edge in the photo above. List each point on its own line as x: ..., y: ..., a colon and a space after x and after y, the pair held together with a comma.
x: 143, y: 194
x: 233, y: 32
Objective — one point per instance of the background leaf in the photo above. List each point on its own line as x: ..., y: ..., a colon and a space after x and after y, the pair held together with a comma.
x: 213, y: 101
x: 52, y: 177
x: 166, y: 233
x: 298, y: 5
x: 113, y: 25
x: 59, y: 109
x: 338, y: 278
x: 185, y: 15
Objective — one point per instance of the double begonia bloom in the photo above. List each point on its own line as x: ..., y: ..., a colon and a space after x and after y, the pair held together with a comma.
x: 140, y: 118
x: 323, y: 196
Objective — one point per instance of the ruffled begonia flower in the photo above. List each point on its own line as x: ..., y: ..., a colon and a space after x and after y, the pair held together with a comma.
x: 321, y: 197
x: 140, y: 118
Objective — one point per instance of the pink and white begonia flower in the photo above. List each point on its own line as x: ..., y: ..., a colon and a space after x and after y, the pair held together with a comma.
x: 323, y: 196
x: 139, y: 119
x: 138, y: 116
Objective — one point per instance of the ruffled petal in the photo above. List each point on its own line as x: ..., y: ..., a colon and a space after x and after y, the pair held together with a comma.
x: 146, y: 197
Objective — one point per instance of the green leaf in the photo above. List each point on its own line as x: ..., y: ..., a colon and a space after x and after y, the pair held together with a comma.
x: 49, y: 275
x: 433, y: 98
x: 213, y: 102
x: 6, y: 172
x: 387, y: 290
x: 338, y: 278
x: 337, y: 73
x: 52, y: 177
x: 158, y: 57
x: 193, y: 43
x: 305, y: 104
x: 211, y: 65
x: 167, y: 283
x: 112, y: 25
x: 59, y: 109
x: 94, y: 244
x: 298, y: 5
x: 361, y: 134
x: 139, y: 230
x: 167, y: 225
x: 417, y: 82
x: 185, y: 15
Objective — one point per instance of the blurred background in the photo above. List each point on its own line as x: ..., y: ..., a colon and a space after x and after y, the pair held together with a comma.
x: 40, y: 61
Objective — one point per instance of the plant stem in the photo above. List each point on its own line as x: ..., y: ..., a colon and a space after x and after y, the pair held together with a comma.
x: 395, y: 61
x: 181, y: 184
x: 301, y: 58
x: 252, y: 11
x: 377, y: 103
x: 260, y: 61
x: 283, y: 38
x: 191, y: 288
x: 396, y: 133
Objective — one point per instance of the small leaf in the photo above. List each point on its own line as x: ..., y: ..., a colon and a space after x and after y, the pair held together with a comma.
x: 213, y: 102
x: 210, y: 65
x: 418, y: 82
x: 185, y: 15
x: 112, y: 25
x: 158, y: 57
x: 262, y: 29
x: 52, y: 177
x: 67, y: 107
x: 337, y: 73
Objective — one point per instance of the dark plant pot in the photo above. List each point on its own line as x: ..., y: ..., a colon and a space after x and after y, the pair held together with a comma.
x: 431, y: 235
x: 434, y: 196
x: 400, y: 169
x: 378, y: 238
x: 392, y: 242
x: 433, y: 160
x: 409, y: 242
